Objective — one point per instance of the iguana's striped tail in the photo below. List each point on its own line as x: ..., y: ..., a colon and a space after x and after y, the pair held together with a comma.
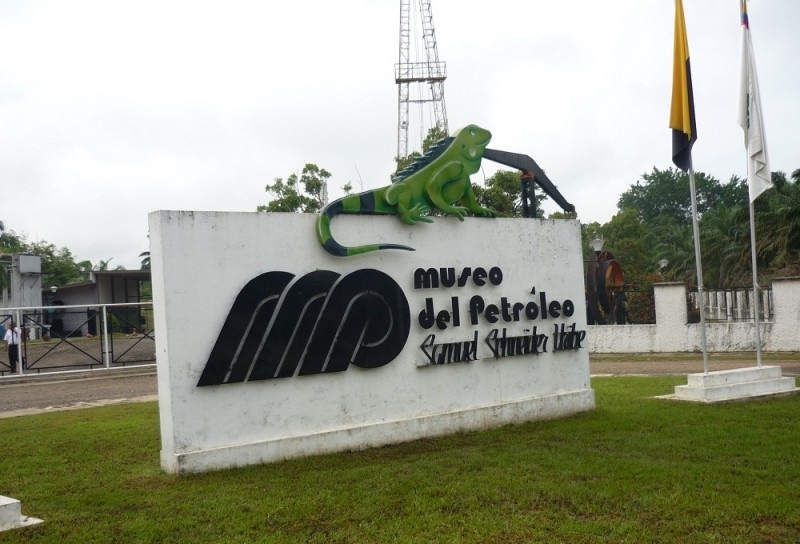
x: 362, y: 203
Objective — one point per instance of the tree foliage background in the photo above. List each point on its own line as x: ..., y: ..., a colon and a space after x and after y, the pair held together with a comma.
x: 652, y: 223
x: 59, y: 266
x: 303, y: 194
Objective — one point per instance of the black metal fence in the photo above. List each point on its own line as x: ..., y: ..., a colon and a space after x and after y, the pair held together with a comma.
x: 634, y: 307
x: 60, y: 338
x: 640, y: 307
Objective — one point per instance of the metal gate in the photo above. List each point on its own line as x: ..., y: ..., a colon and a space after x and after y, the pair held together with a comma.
x: 81, y: 337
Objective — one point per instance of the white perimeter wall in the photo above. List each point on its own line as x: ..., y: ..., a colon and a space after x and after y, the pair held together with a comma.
x: 672, y: 333
x: 201, y: 260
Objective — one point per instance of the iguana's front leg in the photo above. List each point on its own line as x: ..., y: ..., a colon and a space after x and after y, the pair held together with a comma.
x: 472, y: 203
x: 451, y: 172
x: 414, y: 213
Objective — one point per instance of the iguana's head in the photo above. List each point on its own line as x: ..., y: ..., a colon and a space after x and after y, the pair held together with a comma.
x: 471, y: 141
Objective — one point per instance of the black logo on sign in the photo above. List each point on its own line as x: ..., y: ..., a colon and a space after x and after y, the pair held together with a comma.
x: 280, y: 326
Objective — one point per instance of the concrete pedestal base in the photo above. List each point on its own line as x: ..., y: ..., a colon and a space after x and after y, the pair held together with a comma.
x: 737, y: 384
x: 376, y: 435
x: 11, y: 515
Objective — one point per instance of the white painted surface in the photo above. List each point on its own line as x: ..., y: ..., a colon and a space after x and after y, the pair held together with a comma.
x: 11, y: 515
x: 736, y: 384
x: 672, y: 333
x: 201, y: 260
x: 10, y: 511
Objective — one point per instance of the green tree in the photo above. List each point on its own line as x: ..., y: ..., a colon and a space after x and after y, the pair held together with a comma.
x: 676, y: 246
x: 661, y: 200
x: 58, y: 264
x: 103, y: 266
x: 4, y: 244
x: 665, y: 193
x: 778, y: 225
x: 303, y: 194
x: 734, y: 193
x: 435, y: 134
x: 85, y: 268
x: 503, y: 194
x: 629, y: 239
x: 725, y: 244
x: 10, y: 242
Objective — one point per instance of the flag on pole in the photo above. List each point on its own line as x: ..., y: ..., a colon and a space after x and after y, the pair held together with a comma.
x: 681, y: 119
x: 750, y: 117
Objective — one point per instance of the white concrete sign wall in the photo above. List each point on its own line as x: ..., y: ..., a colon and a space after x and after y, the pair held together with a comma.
x: 500, y: 340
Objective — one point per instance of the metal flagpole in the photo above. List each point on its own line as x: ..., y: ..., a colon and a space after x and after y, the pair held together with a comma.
x: 699, y: 265
x: 756, y: 288
x: 758, y: 176
x: 684, y: 134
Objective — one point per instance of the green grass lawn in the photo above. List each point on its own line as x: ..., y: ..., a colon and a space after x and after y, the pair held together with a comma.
x: 636, y: 469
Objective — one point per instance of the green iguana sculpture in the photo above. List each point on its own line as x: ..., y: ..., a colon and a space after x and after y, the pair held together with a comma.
x: 437, y: 180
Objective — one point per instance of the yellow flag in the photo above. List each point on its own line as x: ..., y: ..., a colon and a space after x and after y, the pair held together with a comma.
x: 681, y: 119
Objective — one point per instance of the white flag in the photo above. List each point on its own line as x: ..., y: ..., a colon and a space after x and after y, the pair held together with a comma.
x: 750, y: 118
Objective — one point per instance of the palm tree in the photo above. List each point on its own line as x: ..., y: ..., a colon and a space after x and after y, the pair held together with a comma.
x: 725, y: 241
x: 778, y: 226
x: 677, y: 247
x: 102, y: 265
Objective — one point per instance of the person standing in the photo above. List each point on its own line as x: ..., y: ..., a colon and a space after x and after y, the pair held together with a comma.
x: 12, y: 337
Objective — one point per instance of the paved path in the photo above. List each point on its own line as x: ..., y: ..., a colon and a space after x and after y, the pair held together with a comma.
x: 50, y: 392
x: 44, y: 393
x: 683, y: 364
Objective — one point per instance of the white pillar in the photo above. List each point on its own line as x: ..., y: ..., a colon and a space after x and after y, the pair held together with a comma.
x: 786, y: 315
x: 670, y: 300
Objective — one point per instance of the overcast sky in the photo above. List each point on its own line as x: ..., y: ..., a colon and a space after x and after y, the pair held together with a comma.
x: 110, y: 110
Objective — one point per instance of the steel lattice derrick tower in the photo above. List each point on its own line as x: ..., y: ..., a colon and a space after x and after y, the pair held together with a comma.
x: 418, y: 73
